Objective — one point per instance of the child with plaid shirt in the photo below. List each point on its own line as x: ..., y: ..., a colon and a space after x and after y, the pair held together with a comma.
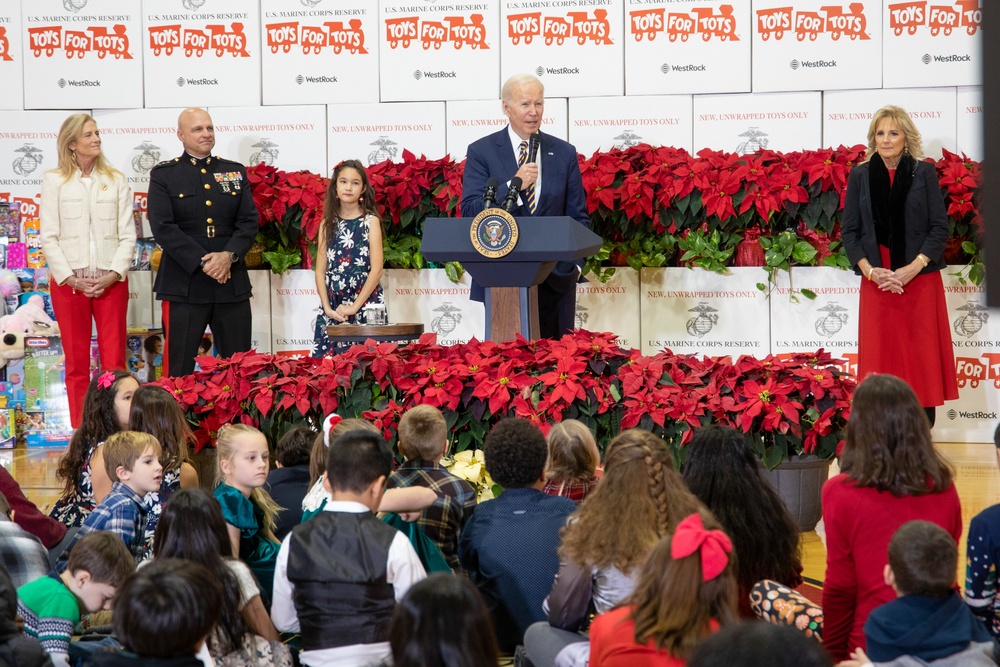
x: 132, y: 460
x: 423, y: 440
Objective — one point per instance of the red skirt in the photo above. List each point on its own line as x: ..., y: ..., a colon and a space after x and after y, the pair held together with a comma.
x: 908, y: 335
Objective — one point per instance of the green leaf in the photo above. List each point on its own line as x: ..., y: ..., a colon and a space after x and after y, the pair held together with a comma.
x: 280, y: 261
x: 808, y: 293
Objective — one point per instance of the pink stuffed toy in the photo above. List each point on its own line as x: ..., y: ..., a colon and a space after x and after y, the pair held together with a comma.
x: 30, y: 319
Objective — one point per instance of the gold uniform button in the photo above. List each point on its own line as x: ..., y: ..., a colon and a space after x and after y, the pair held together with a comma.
x: 203, y: 171
x: 180, y: 196
x: 207, y: 186
x: 208, y: 202
x: 209, y: 221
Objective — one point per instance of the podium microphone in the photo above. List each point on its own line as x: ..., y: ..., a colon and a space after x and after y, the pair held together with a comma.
x: 534, y: 141
x: 490, y: 196
x: 510, y: 203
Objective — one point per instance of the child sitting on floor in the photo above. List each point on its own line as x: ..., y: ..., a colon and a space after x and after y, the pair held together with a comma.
x: 339, y: 575
x: 571, y: 470
x: 132, y: 460
x: 163, y: 615
x: 928, y: 624
x: 51, y: 606
x: 423, y: 440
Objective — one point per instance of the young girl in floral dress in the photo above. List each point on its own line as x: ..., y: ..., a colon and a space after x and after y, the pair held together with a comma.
x: 349, y: 259
x: 106, y: 408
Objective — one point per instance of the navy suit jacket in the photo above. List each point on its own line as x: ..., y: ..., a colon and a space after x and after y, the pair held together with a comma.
x: 561, y: 187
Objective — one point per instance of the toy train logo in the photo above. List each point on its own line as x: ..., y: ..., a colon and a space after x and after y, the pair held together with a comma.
x: 832, y: 20
x: 102, y: 40
x: 313, y: 39
x: 648, y: 24
x: 579, y: 26
x: 459, y: 31
x: 941, y: 19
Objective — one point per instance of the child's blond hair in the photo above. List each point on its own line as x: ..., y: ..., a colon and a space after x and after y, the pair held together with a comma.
x: 227, y: 451
x: 123, y: 449
x: 573, y: 454
x: 422, y: 433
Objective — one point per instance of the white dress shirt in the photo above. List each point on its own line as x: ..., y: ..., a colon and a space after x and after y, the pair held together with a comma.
x: 403, y: 569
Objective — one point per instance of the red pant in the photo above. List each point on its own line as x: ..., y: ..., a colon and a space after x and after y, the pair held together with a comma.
x: 74, y: 312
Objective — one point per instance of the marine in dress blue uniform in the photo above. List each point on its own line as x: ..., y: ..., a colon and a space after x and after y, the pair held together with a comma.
x: 202, y: 214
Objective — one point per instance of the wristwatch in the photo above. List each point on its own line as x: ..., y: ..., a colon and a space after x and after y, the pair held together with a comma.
x: 233, y: 257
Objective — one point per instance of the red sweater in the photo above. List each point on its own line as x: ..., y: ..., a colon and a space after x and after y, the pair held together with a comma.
x: 859, y: 524
x: 612, y: 643
x: 27, y: 515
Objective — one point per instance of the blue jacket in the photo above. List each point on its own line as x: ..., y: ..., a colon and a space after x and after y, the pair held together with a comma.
x: 561, y: 189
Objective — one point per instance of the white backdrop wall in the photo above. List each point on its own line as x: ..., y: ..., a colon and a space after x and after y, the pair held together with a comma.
x: 303, y: 84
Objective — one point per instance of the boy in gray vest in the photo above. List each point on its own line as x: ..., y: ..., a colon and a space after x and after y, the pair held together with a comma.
x: 339, y: 575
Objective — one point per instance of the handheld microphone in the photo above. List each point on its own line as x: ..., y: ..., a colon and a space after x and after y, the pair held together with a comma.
x: 490, y: 196
x: 534, y: 141
x: 510, y: 202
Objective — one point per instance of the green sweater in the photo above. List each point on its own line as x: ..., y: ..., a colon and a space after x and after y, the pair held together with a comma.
x: 50, y: 612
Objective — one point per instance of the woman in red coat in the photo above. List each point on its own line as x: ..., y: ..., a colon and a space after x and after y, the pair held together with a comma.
x: 890, y: 474
x: 894, y: 229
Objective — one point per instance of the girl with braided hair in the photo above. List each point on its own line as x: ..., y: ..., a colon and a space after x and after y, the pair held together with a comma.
x: 640, y: 499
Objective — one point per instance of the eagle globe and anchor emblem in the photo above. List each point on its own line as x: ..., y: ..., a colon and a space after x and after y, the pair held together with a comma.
x: 702, y: 323
x: 581, y: 316
x: 973, y: 321
x: 494, y: 233
x: 447, y: 321
x: 386, y: 150
x: 147, y: 158
x: 834, y: 320
x: 29, y: 161
x: 267, y: 153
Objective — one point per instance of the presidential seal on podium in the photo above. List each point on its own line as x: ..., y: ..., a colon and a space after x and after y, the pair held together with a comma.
x: 494, y: 232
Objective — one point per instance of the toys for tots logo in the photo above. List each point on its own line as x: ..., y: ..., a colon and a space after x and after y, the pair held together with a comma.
x: 459, y: 31
x: 314, y: 39
x: 940, y: 19
x: 163, y: 39
x: 833, y: 20
x: 647, y: 24
x: 102, y: 40
x: 580, y: 26
x: 5, y: 46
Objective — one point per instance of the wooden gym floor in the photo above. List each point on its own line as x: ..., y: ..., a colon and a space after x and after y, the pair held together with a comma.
x: 975, y: 465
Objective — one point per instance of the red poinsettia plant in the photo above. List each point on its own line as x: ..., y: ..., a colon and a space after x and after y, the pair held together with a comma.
x: 645, y: 201
x: 960, y: 180
x: 788, y: 406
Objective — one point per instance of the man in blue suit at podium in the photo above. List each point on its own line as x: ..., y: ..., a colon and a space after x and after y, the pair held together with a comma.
x: 550, y: 185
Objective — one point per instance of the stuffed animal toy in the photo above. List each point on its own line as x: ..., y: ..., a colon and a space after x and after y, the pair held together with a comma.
x: 30, y: 319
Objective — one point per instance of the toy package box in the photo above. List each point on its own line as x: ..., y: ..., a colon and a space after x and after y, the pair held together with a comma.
x: 144, y: 354
x: 46, y: 403
x: 10, y: 221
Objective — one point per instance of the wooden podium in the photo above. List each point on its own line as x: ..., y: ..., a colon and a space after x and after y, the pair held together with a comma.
x: 511, y: 280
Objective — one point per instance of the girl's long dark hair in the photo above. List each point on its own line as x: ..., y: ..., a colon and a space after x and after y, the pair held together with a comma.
x: 99, y: 420
x: 442, y: 622
x: 888, y: 441
x: 331, y: 205
x: 155, y: 411
x: 722, y: 470
x: 191, y: 527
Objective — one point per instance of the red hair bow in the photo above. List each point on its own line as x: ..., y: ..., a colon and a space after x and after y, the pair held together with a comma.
x: 714, y: 546
x: 106, y: 379
x: 328, y: 425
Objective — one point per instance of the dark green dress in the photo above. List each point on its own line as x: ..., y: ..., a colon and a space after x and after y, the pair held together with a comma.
x: 258, y: 552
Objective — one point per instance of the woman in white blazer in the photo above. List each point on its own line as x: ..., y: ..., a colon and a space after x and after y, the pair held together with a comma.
x: 88, y: 237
